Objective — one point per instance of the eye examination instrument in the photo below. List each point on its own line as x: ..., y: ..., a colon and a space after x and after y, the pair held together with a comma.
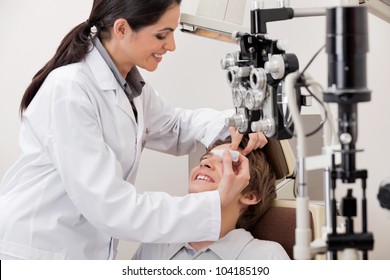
x: 268, y: 91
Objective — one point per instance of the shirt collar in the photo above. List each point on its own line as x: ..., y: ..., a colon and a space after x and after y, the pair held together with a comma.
x: 173, y: 249
x: 228, y: 247
x: 231, y: 245
x: 133, y: 83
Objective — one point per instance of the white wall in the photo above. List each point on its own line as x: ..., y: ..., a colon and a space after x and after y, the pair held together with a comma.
x: 191, y: 77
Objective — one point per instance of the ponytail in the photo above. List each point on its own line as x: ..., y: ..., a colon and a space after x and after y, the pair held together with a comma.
x: 73, y: 48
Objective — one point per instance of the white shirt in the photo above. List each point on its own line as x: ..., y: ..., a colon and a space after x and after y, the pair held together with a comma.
x: 238, y: 244
x: 71, y: 193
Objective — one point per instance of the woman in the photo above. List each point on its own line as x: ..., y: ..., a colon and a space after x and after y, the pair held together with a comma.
x: 86, y: 117
x: 236, y: 241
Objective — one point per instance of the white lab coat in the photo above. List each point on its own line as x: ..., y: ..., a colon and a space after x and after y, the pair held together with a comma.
x: 71, y: 194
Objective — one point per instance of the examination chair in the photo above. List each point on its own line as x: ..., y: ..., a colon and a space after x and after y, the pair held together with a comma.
x: 279, y: 222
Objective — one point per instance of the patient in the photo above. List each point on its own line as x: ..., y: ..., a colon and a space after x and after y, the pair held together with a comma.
x: 236, y: 242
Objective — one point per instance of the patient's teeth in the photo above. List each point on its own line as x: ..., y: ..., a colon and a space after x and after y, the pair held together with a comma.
x: 204, y: 178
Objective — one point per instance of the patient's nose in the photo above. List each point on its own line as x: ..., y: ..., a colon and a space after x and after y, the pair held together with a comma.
x: 209, y: 162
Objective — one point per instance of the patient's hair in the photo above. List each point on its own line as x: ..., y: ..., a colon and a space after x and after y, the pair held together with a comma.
x: 261, y: 184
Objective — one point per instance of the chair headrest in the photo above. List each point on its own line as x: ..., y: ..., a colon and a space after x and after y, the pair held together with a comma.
x: 276, y: 156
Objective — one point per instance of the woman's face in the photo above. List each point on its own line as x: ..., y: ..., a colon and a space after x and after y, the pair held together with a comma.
x: 207, y: 175
x: 146, y: 47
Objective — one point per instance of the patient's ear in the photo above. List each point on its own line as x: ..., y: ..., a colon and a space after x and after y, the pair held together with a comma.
x: 250, y: 199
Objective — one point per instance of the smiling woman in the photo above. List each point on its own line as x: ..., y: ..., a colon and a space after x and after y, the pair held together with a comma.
x: 86, y: 118
x: 144, y: 47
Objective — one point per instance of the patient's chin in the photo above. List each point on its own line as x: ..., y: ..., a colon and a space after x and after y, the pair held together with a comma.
x: 202, y: 186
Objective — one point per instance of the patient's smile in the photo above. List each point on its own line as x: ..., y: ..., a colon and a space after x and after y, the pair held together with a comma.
x: 202, y: 177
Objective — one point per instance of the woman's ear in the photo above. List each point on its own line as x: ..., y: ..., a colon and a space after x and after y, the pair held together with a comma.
x: 120, y: 28
x: 250, y: 199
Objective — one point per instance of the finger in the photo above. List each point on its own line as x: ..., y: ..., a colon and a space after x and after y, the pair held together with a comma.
x: 256, y: 140
x: 236, y: 138
x: 261, y: 140
x: 233, y: 183
x: 227, y: 162
x: 243, y: 168
x: 252, y: 143
x: 249, y: 147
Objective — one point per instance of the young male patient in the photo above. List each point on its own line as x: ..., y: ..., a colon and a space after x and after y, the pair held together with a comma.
x: 236, y: 242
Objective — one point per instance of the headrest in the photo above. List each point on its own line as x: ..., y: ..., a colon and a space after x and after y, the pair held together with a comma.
x: 278, y: 224
x: 276, y: 157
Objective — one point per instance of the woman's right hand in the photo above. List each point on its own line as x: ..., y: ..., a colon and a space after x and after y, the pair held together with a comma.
x: 257, y: 140
x: 235, y: 178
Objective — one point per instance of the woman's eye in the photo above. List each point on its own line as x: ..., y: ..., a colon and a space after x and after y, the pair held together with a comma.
x: 161, y: 37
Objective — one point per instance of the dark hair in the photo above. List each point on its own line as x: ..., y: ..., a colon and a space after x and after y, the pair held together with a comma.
x: 104, y: 13
x: 261, y: 183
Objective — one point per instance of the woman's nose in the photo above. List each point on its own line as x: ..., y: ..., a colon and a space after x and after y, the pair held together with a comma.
x: 170, y: 44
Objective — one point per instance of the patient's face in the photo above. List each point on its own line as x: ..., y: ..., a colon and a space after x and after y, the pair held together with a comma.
x: 207, y: 175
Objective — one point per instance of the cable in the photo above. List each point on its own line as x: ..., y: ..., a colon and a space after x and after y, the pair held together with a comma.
x: 312, y: 59
x: 322, y: 121
x: 329, y: 130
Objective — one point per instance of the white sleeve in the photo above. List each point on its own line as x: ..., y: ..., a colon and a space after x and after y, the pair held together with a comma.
x: 175, y: 130
x: 92, y: 177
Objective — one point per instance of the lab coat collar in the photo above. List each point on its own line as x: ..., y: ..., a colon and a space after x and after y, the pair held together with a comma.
x: 105, y: 79
x: 107, y: 58
x: 133, y: 83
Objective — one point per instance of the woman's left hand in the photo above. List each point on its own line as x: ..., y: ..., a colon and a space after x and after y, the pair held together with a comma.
x: 256, y: 140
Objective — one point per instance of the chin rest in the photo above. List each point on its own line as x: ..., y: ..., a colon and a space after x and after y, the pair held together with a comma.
x: 279, y: 222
